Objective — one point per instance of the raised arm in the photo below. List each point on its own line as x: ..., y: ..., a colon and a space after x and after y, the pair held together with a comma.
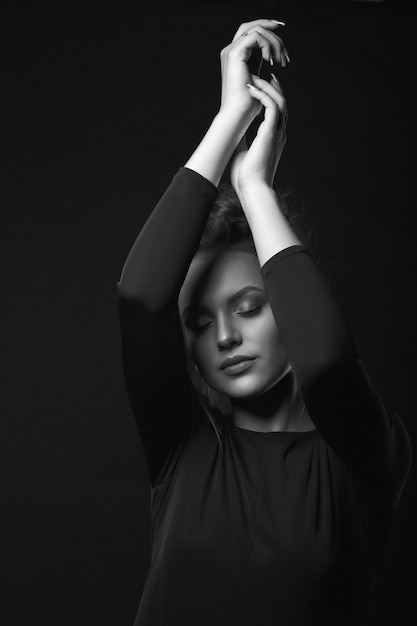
x: 152, y: 348
x: 156, y: 266
x: 175, y: 216
x: 237, y: 108
x: 341, y: 400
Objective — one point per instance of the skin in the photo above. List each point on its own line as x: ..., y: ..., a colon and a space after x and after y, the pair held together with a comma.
x: 225, y: 312
x: 265, y: 396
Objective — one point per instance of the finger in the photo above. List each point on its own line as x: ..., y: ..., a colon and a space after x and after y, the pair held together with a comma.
x: 282, y: 57
x: 269, y: 48
x: 272, y: 110
x: 276, y: 84
x: 261, y: 22
x: 272, y: 53
x: 286, y: 55
x: 274, y: 91
x: 279, y: 54
x: 243, y: 47
x: 279, y: 119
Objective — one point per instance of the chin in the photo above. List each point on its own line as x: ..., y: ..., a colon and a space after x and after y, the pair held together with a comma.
x: 241, y: 389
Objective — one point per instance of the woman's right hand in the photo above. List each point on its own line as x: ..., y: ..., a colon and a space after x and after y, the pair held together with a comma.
x: 234, y: 68
x: 238, y: 108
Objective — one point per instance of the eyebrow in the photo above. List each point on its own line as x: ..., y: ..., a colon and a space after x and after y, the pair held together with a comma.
x: 192, y: 308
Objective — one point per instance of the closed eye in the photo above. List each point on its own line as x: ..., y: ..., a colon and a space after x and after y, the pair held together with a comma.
x: 249, y: 306
x: 197, y: 324
x: 250, y: 311
x: 201, y: 327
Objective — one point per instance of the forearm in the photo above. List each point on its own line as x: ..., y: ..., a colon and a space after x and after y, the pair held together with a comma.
x: 338, y: 394
x: 270, y: 228
x: 312, y: 325
x: 212, y: 155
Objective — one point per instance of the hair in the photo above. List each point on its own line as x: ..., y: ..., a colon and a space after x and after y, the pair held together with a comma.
x: 227, y: 226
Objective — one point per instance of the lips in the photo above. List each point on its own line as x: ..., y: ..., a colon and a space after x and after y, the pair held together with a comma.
x: 237, y: 364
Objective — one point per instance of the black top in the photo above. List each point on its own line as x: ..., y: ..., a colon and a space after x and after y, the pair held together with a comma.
x: 278, y: 528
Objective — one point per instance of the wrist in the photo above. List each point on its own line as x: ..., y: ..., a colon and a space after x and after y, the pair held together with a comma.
x: 251, y: 189
x: 212, y: 155
x: 234, y: 118
x: 270, y: 227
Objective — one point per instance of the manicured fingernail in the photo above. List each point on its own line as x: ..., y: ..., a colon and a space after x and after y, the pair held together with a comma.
x: 275, y: 78
x: 278, y: 22
x: 251, y: 86
x: 271, y: 61
x: 286, y: 56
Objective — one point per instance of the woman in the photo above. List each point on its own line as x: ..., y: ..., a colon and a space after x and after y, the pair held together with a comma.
x: 276, y: 474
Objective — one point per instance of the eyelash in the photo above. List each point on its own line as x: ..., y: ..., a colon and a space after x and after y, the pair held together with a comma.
x: 250, y: 311
x: 247, y: 312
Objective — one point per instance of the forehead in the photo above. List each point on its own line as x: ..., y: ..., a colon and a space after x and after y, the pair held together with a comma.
x: 214, y: 277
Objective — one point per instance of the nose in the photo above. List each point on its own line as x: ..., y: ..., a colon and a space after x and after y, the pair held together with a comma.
x: 228, y: 334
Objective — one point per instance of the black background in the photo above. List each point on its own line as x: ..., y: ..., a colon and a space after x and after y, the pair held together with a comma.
x: 101, y: 103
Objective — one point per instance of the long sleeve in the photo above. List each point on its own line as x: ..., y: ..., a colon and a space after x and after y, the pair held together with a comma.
x: 152, y: 347
x: 341, y: 400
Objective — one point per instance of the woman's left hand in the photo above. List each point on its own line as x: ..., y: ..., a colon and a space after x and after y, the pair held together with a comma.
x: 259, y: 163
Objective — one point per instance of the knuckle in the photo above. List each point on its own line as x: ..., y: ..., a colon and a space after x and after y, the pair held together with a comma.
x: 224, y: 52
x: 233, y: 53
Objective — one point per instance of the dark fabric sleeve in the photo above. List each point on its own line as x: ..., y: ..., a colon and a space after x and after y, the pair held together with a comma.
x: 152, y: 346
x: 339, y: 397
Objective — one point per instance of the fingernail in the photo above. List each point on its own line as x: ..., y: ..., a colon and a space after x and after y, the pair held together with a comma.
x: 251, y: 86
x: 275, y: 78
x: 278, y: 22
x: 287, y: 57
x: 271, y: 61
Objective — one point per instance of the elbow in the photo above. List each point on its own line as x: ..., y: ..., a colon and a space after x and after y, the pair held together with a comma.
x: 134, y: 285
x: 147, y: 302
x: 128, y: 293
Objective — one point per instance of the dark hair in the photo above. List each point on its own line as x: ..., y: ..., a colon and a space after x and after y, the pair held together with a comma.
x: 227, y: 226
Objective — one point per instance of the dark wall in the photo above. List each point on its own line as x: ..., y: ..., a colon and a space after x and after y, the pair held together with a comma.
x: 100, y: 106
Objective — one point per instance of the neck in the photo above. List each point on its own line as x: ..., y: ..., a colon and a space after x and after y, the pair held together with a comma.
x: 279, y: 409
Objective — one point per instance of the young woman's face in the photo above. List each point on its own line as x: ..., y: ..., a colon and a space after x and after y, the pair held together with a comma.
x: 228, y: 325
